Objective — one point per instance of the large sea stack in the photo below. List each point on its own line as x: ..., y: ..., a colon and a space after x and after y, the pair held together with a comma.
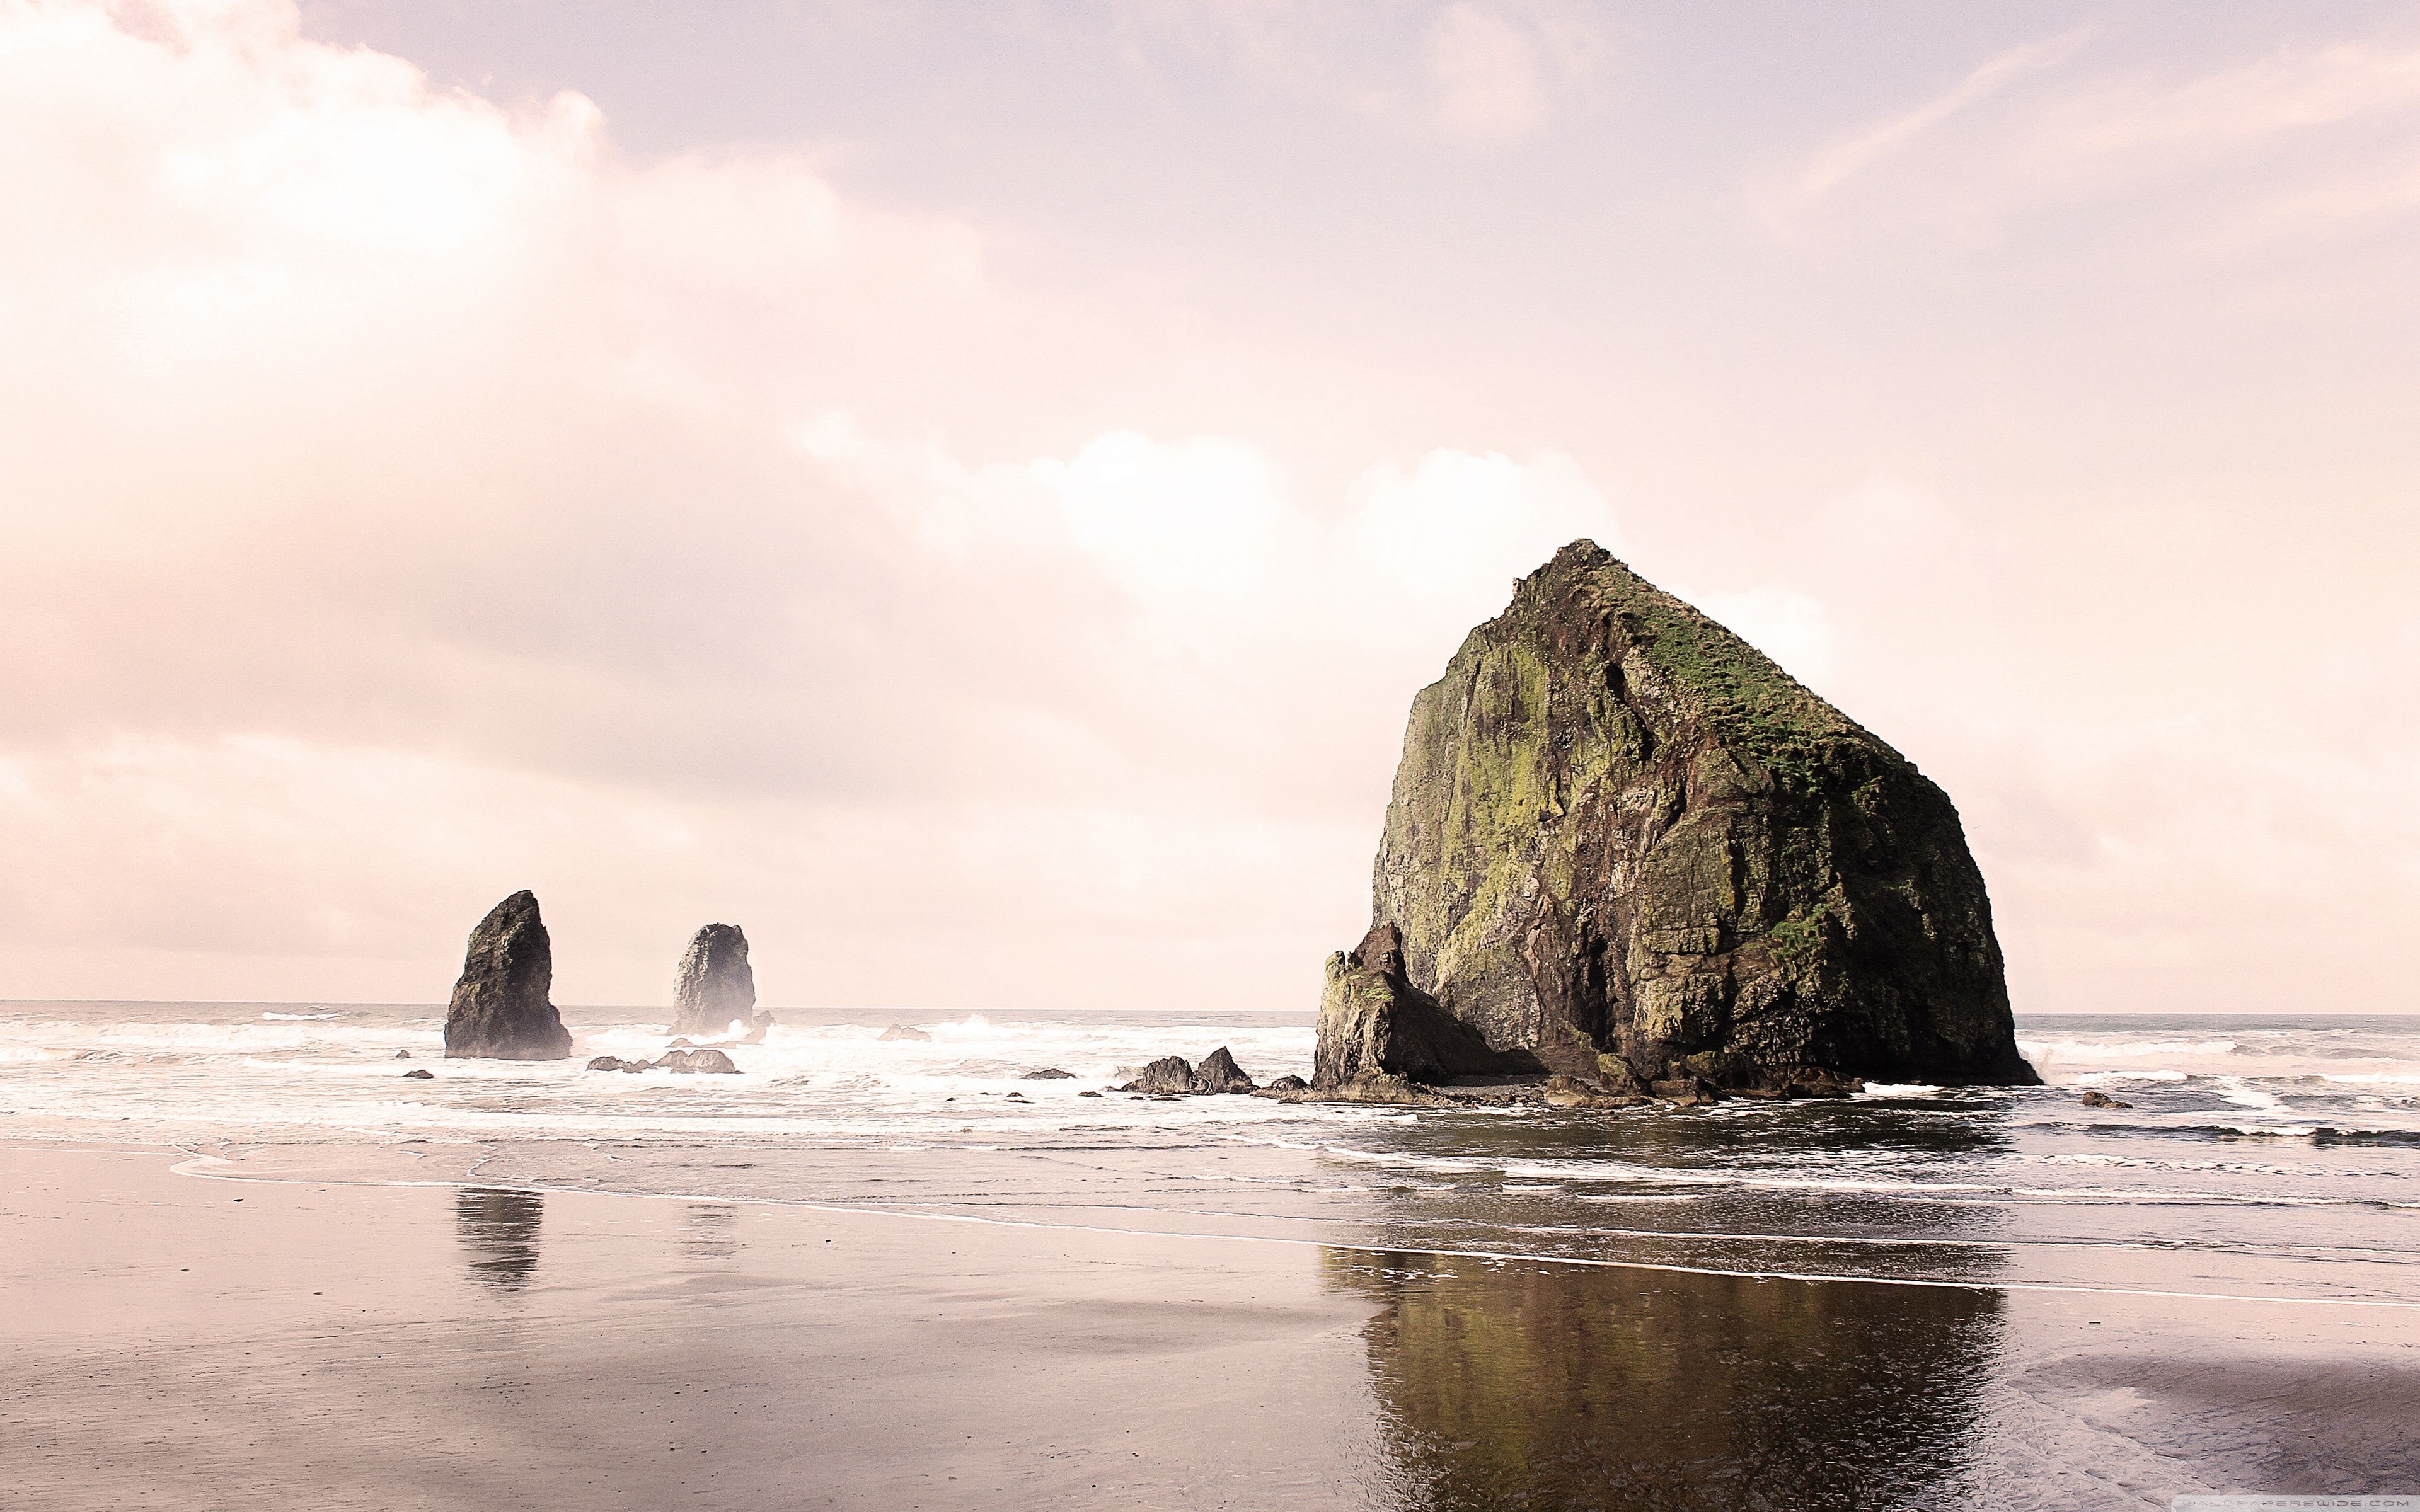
x: 717, y: 987
x: 500, y: 1009
x: 1626, y: 847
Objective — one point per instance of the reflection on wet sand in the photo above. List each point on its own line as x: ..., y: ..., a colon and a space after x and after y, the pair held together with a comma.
x: 500, y: 1229
x: 1519, y: 1384
x: 1699, y: 1191
x: 710, y: 1230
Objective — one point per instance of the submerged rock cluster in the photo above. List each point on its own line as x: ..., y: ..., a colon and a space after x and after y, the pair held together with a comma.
x: 1627, y: 850
x: 703, y: 1059
x: 1176, y: 1076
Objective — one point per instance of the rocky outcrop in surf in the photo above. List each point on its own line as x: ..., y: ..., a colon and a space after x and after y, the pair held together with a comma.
x: 1168, y: 1076
x: 1176, y: 1076
x: 1218, y: 1073
x: 706, y: 1058
x: 1625, y: 845
x: 716, y: 989
x: 703, y: 1058
x: 500, y: 1010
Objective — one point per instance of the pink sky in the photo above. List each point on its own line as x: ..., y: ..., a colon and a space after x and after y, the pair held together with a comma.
x: 969, y: 493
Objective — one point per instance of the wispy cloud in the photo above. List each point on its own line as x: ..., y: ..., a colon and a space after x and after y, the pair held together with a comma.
x: 1851, y: 155
x: 1483, y: 73
x: 2246, y: 150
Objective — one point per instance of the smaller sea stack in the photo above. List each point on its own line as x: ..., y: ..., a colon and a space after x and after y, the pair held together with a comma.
x: 500, y: 1009
x: 1379, y: 1034
x: 717, y: 987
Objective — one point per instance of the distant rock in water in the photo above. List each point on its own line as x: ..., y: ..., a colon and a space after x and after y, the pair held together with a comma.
x: 421, y: 1074
x: 903, y: 1031
x: 500, y: 1009
x: 696, y: 1060
x: 717, y: 988
x: 403, y: 1054
x: 1627, y: 846
x: 707, y: 1059
x: 1286, y: 1084
x: 2101, y: 1100
x: 1048, y: 1074
x: 1218, y: 1073
x: 1176, y: 1076
x: 1168, y: 1076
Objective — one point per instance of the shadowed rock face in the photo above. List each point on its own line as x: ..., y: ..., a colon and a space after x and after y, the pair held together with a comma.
x: 1624, y: 841
x: 500, y: 1009
x: 717, y: 987
x: 1375, y: 1028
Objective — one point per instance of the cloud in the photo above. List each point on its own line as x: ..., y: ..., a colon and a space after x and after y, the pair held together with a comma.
x: 405, y: 499
x: 1851, y: 155
x: 1490, y: 78
x: 1483, y: 73
x: 409, y: 500
x: 2290, y: 144
x: 1223, y: 570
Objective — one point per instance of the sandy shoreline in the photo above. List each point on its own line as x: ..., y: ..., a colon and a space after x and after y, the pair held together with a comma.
x: 183, y: 1342
x: 253, y: 1344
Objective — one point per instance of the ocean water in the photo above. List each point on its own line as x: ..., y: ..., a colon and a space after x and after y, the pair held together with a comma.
x: 2260, y: 1158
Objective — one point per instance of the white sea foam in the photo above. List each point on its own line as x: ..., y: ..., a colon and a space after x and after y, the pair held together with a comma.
x: 2226, y: 1126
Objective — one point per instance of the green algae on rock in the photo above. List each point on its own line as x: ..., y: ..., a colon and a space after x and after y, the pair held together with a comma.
x: 1625, y: 843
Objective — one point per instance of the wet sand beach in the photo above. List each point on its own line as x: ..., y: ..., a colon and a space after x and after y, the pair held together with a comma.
x: 186, y: 1340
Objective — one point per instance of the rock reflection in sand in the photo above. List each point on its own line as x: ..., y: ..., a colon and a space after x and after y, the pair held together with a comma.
x: 500, y: 1230
x: 710, y: 1230
x: 1515, y: 1385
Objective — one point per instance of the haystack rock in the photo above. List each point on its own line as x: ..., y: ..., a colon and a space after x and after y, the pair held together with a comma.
x: 1626, y: 847
x: 500, y: 1009
x: 717, y: 988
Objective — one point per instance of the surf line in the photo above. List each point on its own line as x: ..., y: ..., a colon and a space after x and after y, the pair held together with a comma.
x: 191, y: 1167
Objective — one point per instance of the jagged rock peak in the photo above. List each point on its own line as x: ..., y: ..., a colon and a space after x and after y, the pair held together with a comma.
x: 716, y: 989
x: 500, y: 1010
x: 1625, y: 843
x: 1218, y: 1073
x: 1168, y: 1076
